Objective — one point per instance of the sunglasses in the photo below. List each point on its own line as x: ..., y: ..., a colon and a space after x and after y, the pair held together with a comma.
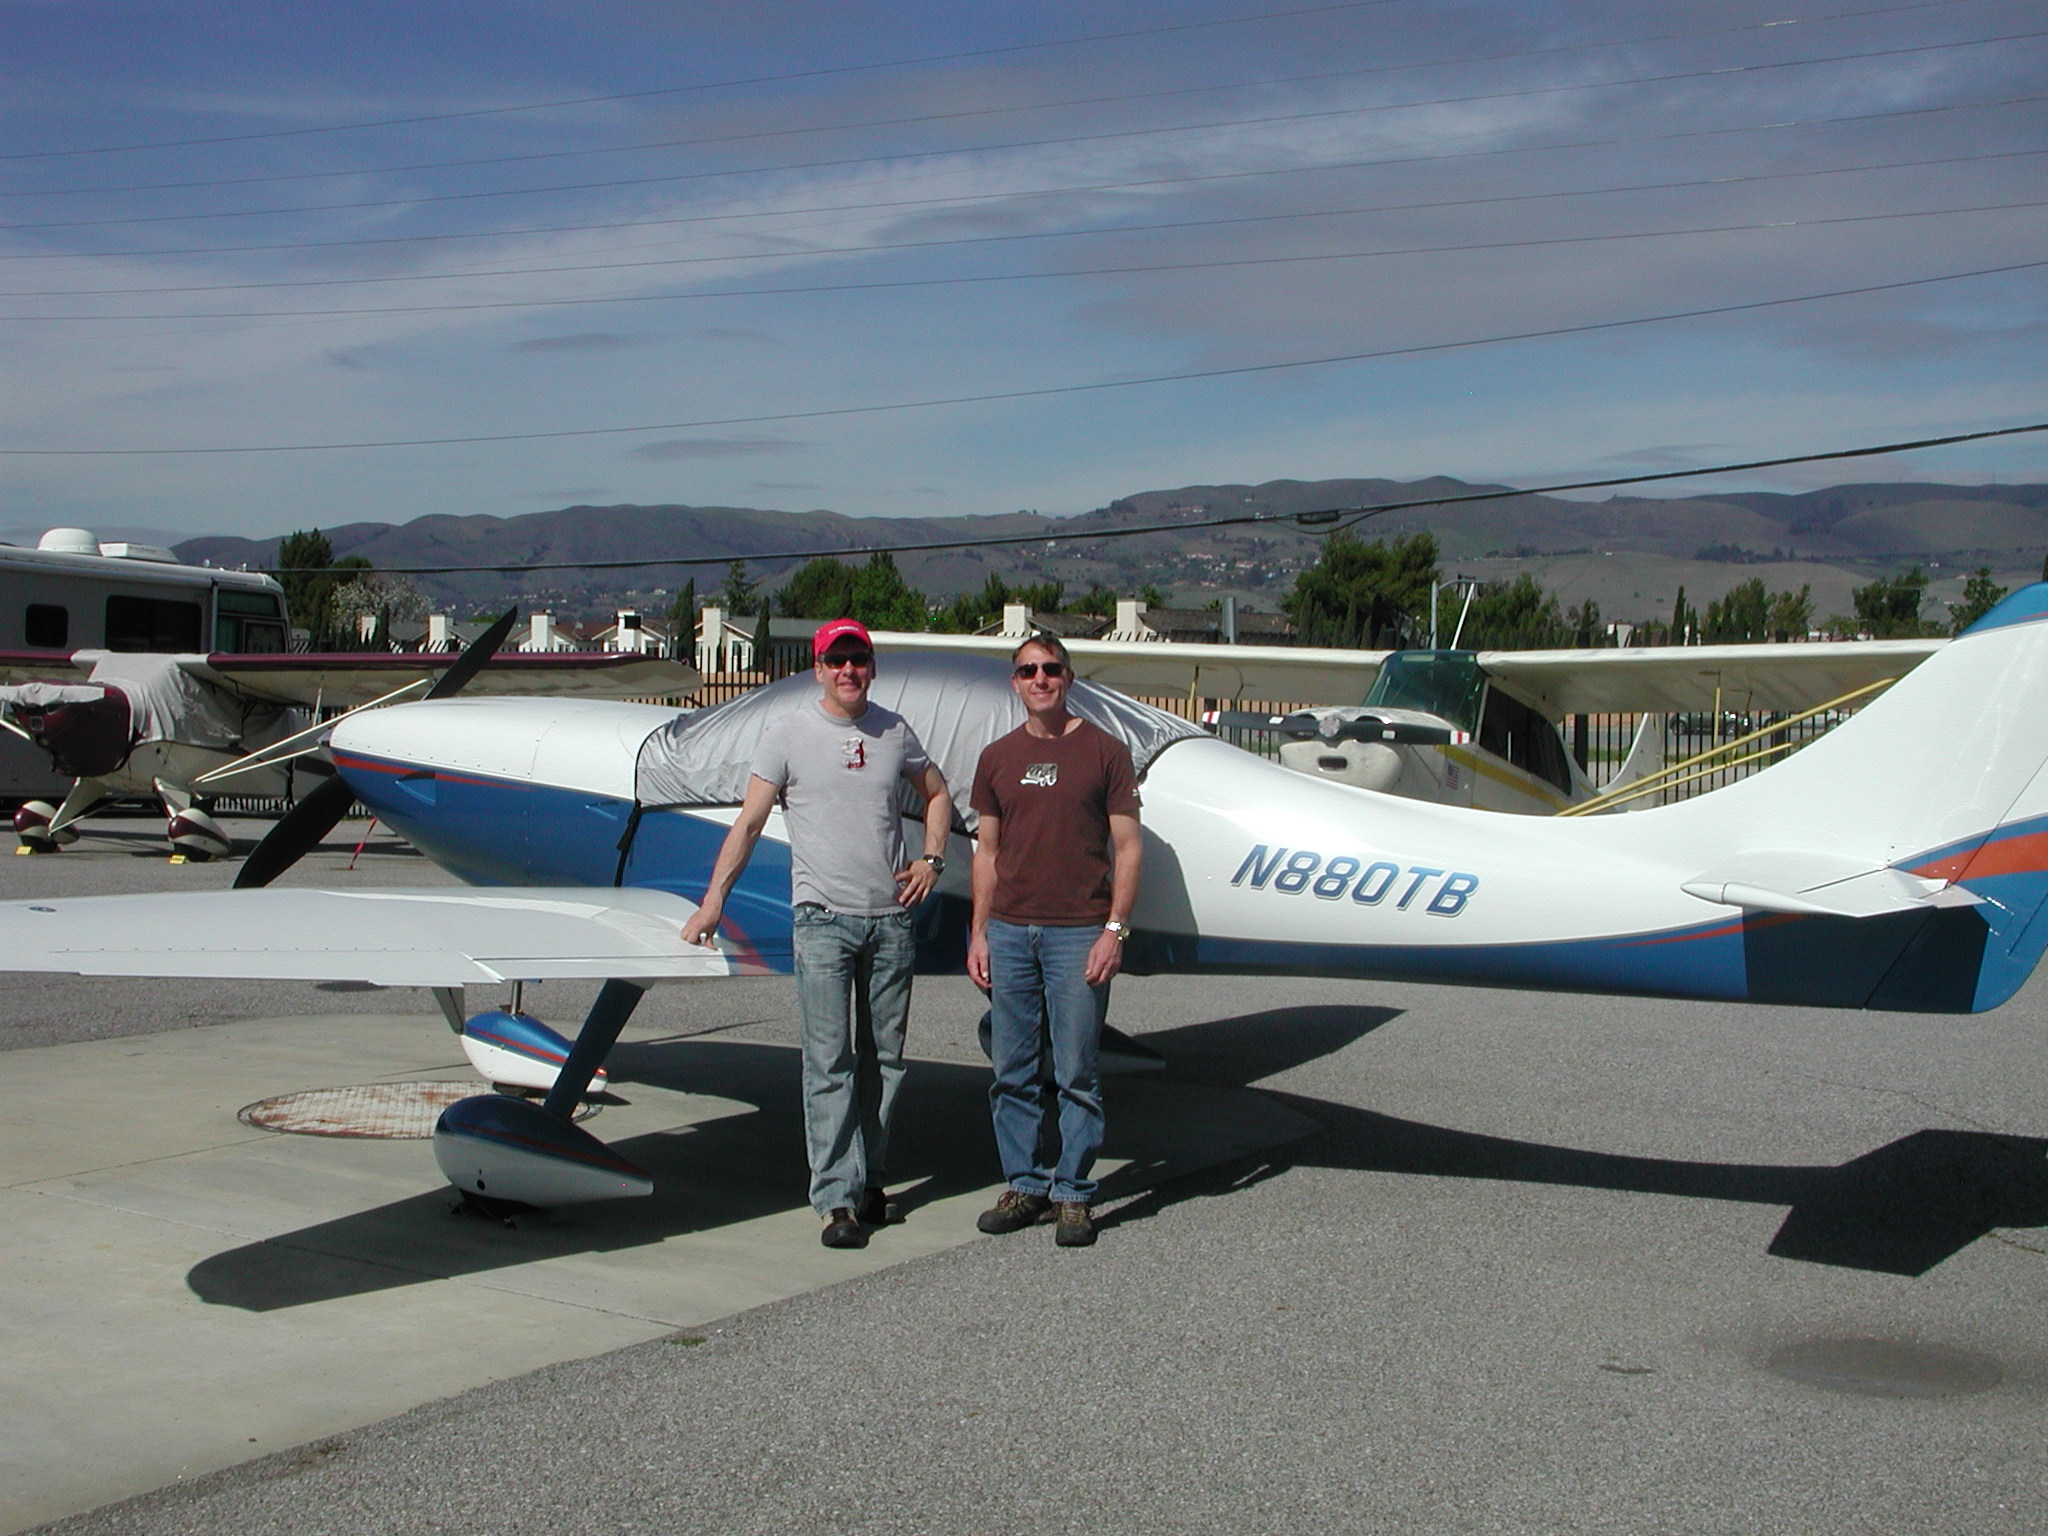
x: 1030, y: 669
x: 861, y: 659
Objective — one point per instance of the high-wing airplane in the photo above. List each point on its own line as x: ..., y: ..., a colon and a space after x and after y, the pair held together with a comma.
x: 182, y: 728
x: 1470, y: 728
x: 1900, y: 862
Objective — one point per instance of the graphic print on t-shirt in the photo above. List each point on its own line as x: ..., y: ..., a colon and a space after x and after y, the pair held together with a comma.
x: 856, y: 751
x: 1042, y: 774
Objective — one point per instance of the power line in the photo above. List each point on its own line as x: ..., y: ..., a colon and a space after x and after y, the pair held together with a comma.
x: 1058, y: 234
x: 1045, y: 391
x: 962, y: 200
x: 982, y: 149
x: 1358, y: 514
x: 938, y: 117
x: 886, y: 285
x: 707, y: 85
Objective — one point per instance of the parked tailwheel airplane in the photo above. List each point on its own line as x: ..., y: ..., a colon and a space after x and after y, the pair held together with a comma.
x: 1900, y: 862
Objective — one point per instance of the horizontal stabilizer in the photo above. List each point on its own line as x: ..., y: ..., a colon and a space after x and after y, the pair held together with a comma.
x: 1820, y: 884
x: 437, y: 937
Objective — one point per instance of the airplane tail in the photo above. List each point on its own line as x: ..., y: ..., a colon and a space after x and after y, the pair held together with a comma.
x: 1904, y: 855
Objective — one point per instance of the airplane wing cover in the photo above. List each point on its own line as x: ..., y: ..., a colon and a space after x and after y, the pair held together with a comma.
x: 437, y: 937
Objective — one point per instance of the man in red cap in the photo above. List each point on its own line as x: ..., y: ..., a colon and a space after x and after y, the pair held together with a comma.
x: 835, y: 767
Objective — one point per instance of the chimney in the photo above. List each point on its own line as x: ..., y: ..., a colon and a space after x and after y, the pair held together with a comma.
x: 710, y: 635
x: 541, y: 636
x: 1016, y: 620
x: 438, y: 636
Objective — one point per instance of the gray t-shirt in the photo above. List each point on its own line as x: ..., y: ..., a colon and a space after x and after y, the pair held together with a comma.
x: 840, y: 801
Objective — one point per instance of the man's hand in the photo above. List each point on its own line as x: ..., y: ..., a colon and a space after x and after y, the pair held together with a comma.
x: 977, y: 960
x: 915, y: 883
x: 1105, y: 959
x: 703, y: 924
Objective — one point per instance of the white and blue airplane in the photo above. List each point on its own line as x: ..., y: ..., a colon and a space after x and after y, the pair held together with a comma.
x: 1900, y: 862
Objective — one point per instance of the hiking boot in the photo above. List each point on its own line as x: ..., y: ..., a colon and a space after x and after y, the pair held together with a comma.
x: 1073, y: 1225
x: 843, y: 1229
x: 877, y: 1209
x: 1013, y: 1212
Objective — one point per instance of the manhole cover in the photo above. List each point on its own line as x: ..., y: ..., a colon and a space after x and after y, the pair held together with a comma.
x: 387, y: 1111
x: 1886, y: 1368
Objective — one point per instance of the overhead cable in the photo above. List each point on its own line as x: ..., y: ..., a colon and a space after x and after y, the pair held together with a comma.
x: 706, y: 85
x: 968, y: 112
x: 814, y: 251
x: 1044, y: 391
x: 672, y: 178
x: 1357, y: 514
x: 960, y: 200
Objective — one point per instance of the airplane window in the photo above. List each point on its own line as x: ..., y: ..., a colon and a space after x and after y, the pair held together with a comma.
x: 1515, y: 733
x: 152, y: 624
x: 48, y: 625
x: 1446, y: 684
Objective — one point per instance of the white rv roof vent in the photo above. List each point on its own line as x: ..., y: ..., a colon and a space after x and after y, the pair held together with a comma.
x: 69, y: 541
x: 128, y: 550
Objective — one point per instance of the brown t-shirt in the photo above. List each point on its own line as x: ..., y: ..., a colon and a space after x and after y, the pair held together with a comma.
x: 1054, y: 797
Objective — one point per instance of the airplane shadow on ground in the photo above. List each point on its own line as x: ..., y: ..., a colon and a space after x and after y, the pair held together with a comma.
x: 1900, y: 1209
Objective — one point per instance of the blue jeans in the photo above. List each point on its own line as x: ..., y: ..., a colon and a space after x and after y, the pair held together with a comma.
x: 1040, y: 998
x: 853, y: 1000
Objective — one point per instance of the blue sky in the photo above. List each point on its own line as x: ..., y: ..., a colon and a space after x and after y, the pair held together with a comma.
x: 810, y: 207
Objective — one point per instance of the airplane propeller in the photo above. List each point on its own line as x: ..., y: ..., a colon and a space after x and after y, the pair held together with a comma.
x: 1303, y: 726
x: 301, y: 828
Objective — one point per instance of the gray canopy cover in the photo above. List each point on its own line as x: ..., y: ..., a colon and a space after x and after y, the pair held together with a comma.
x: 956, y: 704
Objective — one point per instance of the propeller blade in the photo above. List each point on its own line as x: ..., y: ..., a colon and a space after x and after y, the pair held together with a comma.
x: 1256, y: 720
x: 297, y: 834
x: 471, y: 661
x: 302, y: 827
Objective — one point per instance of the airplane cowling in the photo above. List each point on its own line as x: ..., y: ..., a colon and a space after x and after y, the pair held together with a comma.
x: 511, y: 1149
x: 87, y: 738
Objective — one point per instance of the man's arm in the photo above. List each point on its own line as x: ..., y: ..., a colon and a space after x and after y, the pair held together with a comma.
x: 915, y: 883
x: 733, y: 854
x: 987, y: 838
x: 1127, y: 851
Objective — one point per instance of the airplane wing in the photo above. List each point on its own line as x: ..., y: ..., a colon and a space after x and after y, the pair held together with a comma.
x: 1747, y: 679
x: 348, y: 677
x: 436, y: 937
x: 1289, y: 674
x: 45, y: 666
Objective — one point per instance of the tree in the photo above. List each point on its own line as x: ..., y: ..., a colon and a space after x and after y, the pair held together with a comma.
x: 682, y: 620
x: 310, y: 575
x: 1980, y: 596
x: 1791, y: 614
x: 1742, y: 617
x: 1515, y: 615
x: 1682, y: 620
x: 382, y: 598
x: 739, y: 588
x: 1360, y: 594
x: 1889, y: 608
x: 874, y: 593
x: 820, y: 589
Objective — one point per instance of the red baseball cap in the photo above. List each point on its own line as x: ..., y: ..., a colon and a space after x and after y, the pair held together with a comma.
x: 839, y: 629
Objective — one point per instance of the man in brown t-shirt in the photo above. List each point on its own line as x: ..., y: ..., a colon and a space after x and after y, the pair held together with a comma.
x: 1055, y: 875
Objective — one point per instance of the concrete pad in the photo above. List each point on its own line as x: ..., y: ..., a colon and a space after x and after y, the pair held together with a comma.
x: 185, y: 1292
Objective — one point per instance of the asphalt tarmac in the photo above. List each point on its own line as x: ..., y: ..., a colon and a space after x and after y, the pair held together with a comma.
x: 1550, y: 1264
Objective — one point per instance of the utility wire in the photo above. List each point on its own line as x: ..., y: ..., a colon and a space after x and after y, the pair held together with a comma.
x: 954, y: 116
x: 1046, y: 391
x: 967, y: 199
x: 706, y: 85
x: 885, y: 285
x: 813, y: 251
x: 1357, y: 514
x: 982, y: 149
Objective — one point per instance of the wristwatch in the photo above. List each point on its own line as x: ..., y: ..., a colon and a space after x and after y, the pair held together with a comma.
x: 1121, y: 930
x: 937, y: 862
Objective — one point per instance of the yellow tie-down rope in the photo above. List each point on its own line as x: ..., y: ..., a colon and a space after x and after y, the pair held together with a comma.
x: 1670, y: 777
